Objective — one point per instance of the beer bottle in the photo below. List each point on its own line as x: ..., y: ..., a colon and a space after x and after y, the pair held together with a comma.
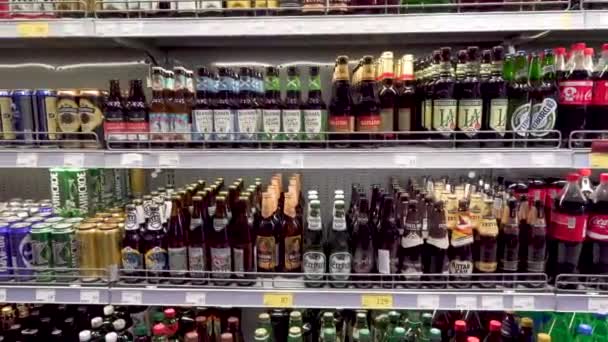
x: 388, y: 242
x: 495, y: 101
x: 433, y: 68
x: 291, y: 246
x: 137, y: 113
x: 544, y: 95
x: 407, y: 112
x: 197, y: 258
x: 339, y: 247
x: 225, y: 107
x: 411, y: 244
x: 114, y: 124
x: 509, y: 259
x: 444, y: 102
x: 266, y: 242
x: 470, y: 102
x: 202, y: 115
x: 485, y: 69
x: 155, y: 245
x: 518, y: 113
x: 132, y: 261
x: 460, y: 72
x: 363, y: 245
x: 314, y: 110
x: 247, y: 120
x: 368, y: 104
x: 537, y: 243
x: 460, y: 252
x: 181, y: 122
x: 219, y: 246
x: 271, y: 114
x: 177, y: 240
x: 387, y: 94
x: 168, y: 95
x: 292, y: 112
x: 487, y: 232
x: 314, y: 259
x: 341, y: 116
x: 240, y: 230
x: 523, y: 212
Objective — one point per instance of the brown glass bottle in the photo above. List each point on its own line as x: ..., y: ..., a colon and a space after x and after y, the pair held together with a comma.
x: 137, y: 114
x: 114, y: 124
x: 341, y: 116
x: 407, y: 115
x: 495, y: 101
x: 363, y: 245
x: 367, y: 104
x: 509, y: 259
x: 234, y: 328
x: 266, y: 243
x: 271, y: 113
x: 461, y: 248
x: 537, y: 243
x: 240, y: 231
x: 291, y: 246
x: 131, y: 253
x: 219, y: 245
x: 181, y: 112
x: 444, y: 102
x: 470, y: 103
x: 158, y: 122
x: 487, y: 246
x: 411, y: 244
x: 388, y: 239
x: 177, y: 241
x: 314, y: 111
x: 387, y: 94
x: 197, y: 255
x: 155, y: 246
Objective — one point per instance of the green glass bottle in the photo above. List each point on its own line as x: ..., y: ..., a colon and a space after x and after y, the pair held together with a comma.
x: 264, y: 323
x: 518, y: 113
x: 584, y: 333
x: 393, y: 320
x: 365, y: 335
x: 435, y: 335
x: 397, y: 335
x: 295, y: 334
x: 314, y: 110
x: 381, y: 323
x: 271, y: 113
x: 329, y: 335
x: 292, y: 112
x: 261, y: 335
x: 295, y: 319
x: 360, y: 324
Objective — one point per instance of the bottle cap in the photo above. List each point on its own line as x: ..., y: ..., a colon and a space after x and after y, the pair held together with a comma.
x: 495, y: 325
x: 460, y: 325
x: 108, y: 310
x: 472, y: 339
x: 170, y: 313
x: 579, y: 46
x: 119, y: 324
x: 604, y: 46
x: 603, y: 177
x: 560, y: 50
x: 584, y: 329
x: 295, y: 331
x: 111, y: 337
x: 585, y: 172
x: 589, y: 51
x: 260, y: 332
x: 96, y: 322
x: 527, y: 322
x: 573, y: 177
x: 541, y: 337
x: 84, y: 336
x: 159, y: 329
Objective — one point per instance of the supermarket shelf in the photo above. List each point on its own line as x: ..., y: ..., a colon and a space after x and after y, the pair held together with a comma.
x: 376, y: 158
x: 49, y: 293
x: 589, y: 302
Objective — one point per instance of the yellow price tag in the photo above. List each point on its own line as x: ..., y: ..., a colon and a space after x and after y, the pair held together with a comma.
x: 598, y: 160
x: 377, y: 301
x: 33, y: 30
x: 565, y: 21
x: 278, y: 300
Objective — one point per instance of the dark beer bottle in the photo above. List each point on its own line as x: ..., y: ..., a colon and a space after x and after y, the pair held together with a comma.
x: 341, y: 116
x: 292, y: 112
x: 202, y: 115
x: 225, y: 107
x: 177, y: 241
x: 272, y: 127
x: 509, y: 259
x: 412, y: 244
x: 408, y: 118
x: 339, y: 247
x: 314, y: 110
x: 266, y: 243
x: 461, y: 247
x: 537, y: 243
x: 159, y: 121
x: 519, y: 100
x: 367, y: 104
x: 444, y: 102
x: 240, y: 230
x: 131, y: 253
x: 470, y: 103
x: 436, y: 246
x: 291, y: 247
x: 247, y: 121
x: 544, y: 96
x: 388, y: 243
x: 487, y: 245
x: 315, y: 261
x: 387, y: 94
x: 181, y: 116
x: 523, y: 212
x: 155, y: 245
x: 137, y: 113
x: 495, y: 101
x: 197, y: 256
x: 363, y: 245
x: 219, y: 246
x: 432, y: 72
x: 114, y: 124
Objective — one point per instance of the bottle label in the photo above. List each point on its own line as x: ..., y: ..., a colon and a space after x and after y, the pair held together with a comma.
x: 338, y: 223
x: 520, y: 119
x: 197, y: 261
x: 543, y: 117
x: 411, y: 266
x: 405, y: 120
x: 485, y: 266
x: 600, y: 93
x: 247, y: 123
x: 428, y: 114
x: 498, y: 115
x: 195, y: 223
x: 221, y: 260
x: 114, y: 126
x: 363, y: 259
x: 568, y: 227
x: 475, y: 215
x: 387, y: 263
x: 266, y: 249
x: 41, y: 253
x: 444, y: 115
x: 386, y: 119
x: 342, y: 123
x: 180, y: 124
x: 461, y: 267
x: 369, y: 123
x: 339, y: 265
x: 178, y: 260
x: 598, y: 227
x: 314, y: 223
x: 156, y: 259
x: 292, y: 123
x: 576, y: 92
x: 488, y: 227
x: 313, y: 122
x: 411, y: 237
x: 131, y: 259
x: 219, y: 224
x: 469, y: 116
x: 223, y: 123
x: 293, y: 253
x: 462, y: 234
x: 314, y: 262
x: 238, y: 258
x: 202, y: 122
x: 271, y: 120
x: 160, y: 123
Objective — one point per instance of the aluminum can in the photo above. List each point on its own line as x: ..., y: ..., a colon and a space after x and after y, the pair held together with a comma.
x: 109, y: 240
x: 68, y: 120
x: 89, y: 252
x: 21, y: 250
x: 64, y: 251
x: 6, y: 115
x: 90, y: 106
x: 45, y: 110
x: 54, y: 220
x: 23, y: 114
x: 33, y: 220
x: 42, y: 251
x: 5, y: 252
x: 70, y: 192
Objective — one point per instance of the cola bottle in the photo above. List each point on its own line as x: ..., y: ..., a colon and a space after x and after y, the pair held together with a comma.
x: 597, y: 233
x: 575, y: 93
x: 600, y: 95
x: 568, y: 225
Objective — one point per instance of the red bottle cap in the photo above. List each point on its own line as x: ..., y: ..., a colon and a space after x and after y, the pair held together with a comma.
x: 604, y: 177
x: 159, y: 329
x: 560, y: 50
x: 495, y: 325
x: 585, y: 172
x: 573, y: 177
x: 589, y: 51
x: 579, y: 46
x: 170, y: 313
x: 472, y: 339
x: 460, y: 325
x: 604, y: 46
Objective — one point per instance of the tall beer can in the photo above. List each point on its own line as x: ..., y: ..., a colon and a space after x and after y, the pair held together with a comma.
x: 21, y: 250
x: 5, y: 252
x: 109, y: 241
x: 23, y: 114
x: 88, y: 253
x: 6, y: 115
x: 45, y: 114
x: 42, y: 251
x: 70, y: 192
x: 64, y: 251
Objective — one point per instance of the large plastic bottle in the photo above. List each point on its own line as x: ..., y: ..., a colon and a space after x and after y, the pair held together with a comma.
x: 597, y: 232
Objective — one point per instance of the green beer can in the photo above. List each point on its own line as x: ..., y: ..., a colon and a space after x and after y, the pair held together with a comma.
x: 95, y: 185
x: 42, y: 251
x: 54, y: 220
x: 64, y: 251
x: 70, y: 192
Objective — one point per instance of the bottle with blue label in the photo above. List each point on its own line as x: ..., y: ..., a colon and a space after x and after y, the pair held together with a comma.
x: 202, y: 114
x: 155, y: 245
x: 247, y: 115
x: 225, y: 108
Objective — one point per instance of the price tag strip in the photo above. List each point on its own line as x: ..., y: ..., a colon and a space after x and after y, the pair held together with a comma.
x: 131, y: 297
x: 377, y: 301
x: 196, y: 298
x: 278, y: 300
x: 428, y: 302
x: 45, y: 295
x: 90, y: 296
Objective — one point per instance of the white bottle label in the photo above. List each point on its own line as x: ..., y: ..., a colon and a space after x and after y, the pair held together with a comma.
x: 247, y: 120
x: 314, y: 262
x: 202, y: 122
x: 469, y: 116
x: 292, y: 123
x: 271, y: 120
x: 444, y: 115
x: 498, y: 115
x: 339, y: 265
x: 221, y: 260
x: 178, y: 260
x: 196, y: 260
x: 313, y: 119
x: 223, y: 122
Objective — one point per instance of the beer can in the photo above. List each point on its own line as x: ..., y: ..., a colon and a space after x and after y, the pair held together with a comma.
x: 23, y: 114
x: 74, y: 221
x: 42, y: 251
x: 22, y: 214
x: 11, y: 219
x: 6, y: 115
x: 94, y: 220
x: 5, y: 252
x: 21, y: 250
x: 33, y: 211
x: 15, y: 204
x: 45, y: 110
x: 33, y: 220
x: 28, y: 201
x: 45, y: 208
x: 54, y: 220
x: 64, y: 247
x: 44, y: 215
x: 103, y: 215
x: 68, y: 120
x: 90, y: 104
x: 120, y: 187
x: 6, y: 213
x: 70, y: 192
x: 137, y: 182
x: 88, y: 251
x: 109, y: 240
x: 94, y: 179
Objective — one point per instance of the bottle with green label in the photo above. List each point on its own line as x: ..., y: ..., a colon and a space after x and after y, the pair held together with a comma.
x: 518, y: 91
x: 444, y: 102
x: 544, y: 95
x: 292, y: 111
x: 470, y: 104
x: 495, y: 101
x: 314, y: 110
x: 271, y: 113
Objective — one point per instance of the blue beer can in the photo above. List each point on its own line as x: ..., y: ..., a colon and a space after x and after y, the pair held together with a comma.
x: 23, y: 114
x: 21, y: 250
x: 5, y: 252
x: 6, y: 115
x: 45, y: 113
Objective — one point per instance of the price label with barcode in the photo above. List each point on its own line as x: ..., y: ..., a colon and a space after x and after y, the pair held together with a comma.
x: 196, y: 298
x: 168, y: 160
x: 131, y: 297
x: 429, y: 302
x: 406, y: 161
x: 45, y: 295
x: 27, y: 159
x: 132, y: 159
x: 492, y: 302
x: 597, y: 304
x: 377, y: 301
x: 523, y: 302
x: 466, y: 302
x: 292, y: 161
x: 89, y: 296
x: 3, y: 295
x: 73, y: 159
x: 278, y: 300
